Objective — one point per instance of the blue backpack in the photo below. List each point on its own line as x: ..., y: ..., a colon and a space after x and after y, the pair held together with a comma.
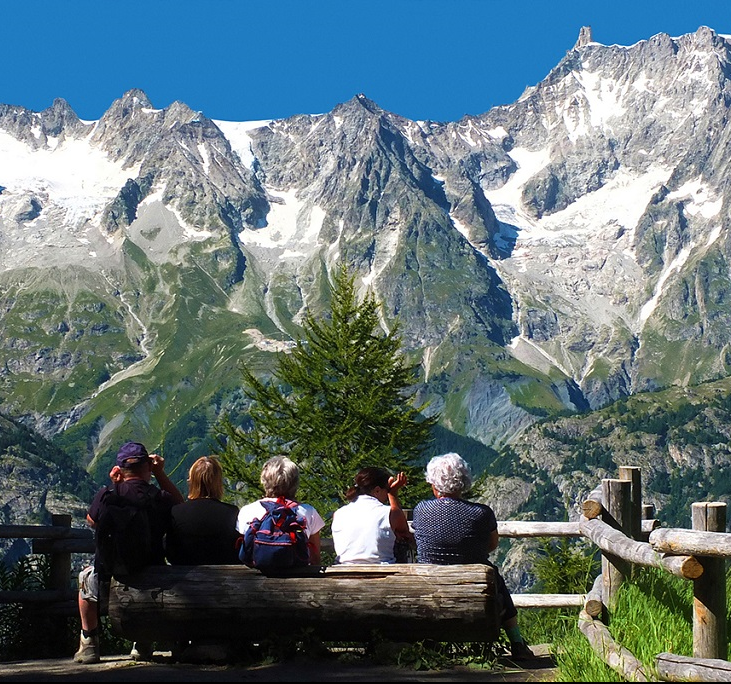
x: 277, y: 539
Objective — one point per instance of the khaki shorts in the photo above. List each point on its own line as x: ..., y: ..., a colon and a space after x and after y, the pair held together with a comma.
x: 89, y: 588
x: 89, y: 584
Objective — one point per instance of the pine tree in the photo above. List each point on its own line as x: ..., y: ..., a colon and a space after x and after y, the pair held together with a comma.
x: 340, y: 400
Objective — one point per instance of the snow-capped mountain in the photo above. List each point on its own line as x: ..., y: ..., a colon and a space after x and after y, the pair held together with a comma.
x: 554, y: 254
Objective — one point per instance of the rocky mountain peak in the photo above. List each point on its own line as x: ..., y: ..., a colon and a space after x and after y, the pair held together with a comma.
x: 584, y: 37
x: 179, y: 113
x: 134, y: 103
x: 357, y: 106
x: 135, y: 98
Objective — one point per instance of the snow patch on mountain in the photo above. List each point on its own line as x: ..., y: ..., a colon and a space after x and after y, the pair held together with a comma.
x: 506, y: 200
x: 292, y: 228
x: 675, y: 265
x: 237, y: 134
x: 386, y: 249
x: 604, y: 97
x: 621, y: 202
x: 204, y: 156
x: 528, y: 352
x: 72, y: 175
x: 700, y: 199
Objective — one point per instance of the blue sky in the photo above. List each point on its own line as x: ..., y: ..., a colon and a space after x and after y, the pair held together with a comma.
x: 243, y: 60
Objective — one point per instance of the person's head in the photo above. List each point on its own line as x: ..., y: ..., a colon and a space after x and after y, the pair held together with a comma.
x: 134, y: 461
x: 205, y: 479
x: 280, y: 477
x: 371, y: 481
x: 449, y: 475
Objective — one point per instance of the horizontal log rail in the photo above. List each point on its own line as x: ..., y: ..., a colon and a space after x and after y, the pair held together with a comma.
x: 676, y: 668
x: 45, y: 532
x: 548, y: 600
x: 71, y: 545
x: 640, y: 553
x: 531, y: 528
x: 670, y: 540
x: 42, y: 596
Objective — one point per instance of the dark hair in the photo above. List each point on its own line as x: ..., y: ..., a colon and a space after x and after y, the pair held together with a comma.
x: 366, y: 481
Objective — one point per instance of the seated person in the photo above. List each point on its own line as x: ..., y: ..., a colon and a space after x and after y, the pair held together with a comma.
x: 450, y: 530
x: 203, y: 529
x: 365, y: 530
x: 132, y: 479
x: 280, y: 477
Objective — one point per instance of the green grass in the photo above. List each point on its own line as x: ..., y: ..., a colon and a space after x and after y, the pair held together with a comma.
x: 653, y: 615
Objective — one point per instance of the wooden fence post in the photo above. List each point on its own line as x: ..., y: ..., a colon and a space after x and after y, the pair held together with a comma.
x: 56, y: 625
x: 616, y: 495
x: 648, y: 511
x: 709, y: 590
x: 633, y: 474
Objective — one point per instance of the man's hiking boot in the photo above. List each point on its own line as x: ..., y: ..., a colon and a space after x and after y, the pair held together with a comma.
x: 519, y: 650
x: 141, y: 651
x: 88, y: 650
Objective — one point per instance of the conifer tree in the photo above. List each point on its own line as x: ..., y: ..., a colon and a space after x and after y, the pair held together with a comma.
x: 340, y: 400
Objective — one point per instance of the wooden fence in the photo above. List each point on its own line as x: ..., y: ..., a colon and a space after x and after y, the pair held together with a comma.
x: 613, y: 518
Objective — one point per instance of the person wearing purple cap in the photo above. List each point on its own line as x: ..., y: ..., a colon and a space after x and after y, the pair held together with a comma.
x: 131, y: 477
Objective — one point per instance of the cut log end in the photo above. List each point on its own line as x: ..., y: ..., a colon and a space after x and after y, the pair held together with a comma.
x: 591, y: 509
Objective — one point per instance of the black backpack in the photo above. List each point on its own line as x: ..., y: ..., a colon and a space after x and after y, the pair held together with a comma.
x: 277, y: 539
x: 125, y: 533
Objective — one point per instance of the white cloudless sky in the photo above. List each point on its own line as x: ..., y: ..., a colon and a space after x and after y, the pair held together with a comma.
x: 244, y: 60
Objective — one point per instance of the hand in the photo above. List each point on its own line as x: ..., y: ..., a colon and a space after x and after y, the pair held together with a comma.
x: 395, y: 483
x: 157, y: 464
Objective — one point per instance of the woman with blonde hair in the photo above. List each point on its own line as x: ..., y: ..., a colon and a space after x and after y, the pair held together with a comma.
x: 280, y: 478
x: 203, y: 529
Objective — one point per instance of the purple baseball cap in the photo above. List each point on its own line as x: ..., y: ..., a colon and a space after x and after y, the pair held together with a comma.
x: 131, y: 453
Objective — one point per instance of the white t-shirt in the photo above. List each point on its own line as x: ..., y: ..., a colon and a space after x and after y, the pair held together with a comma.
x: 255, y: 510
x: 362, y: 532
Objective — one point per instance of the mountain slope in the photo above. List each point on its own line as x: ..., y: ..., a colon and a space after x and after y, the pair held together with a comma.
x: 552, y: 255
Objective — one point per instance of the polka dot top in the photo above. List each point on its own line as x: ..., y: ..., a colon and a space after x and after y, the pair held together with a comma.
x: 450, y: 531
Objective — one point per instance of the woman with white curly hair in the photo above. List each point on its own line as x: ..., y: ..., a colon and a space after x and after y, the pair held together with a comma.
x: 450, y: 530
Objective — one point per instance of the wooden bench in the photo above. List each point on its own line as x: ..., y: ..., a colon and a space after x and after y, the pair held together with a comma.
x: 401, y: 602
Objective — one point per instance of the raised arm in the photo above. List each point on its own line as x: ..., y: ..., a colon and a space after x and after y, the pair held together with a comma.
x: 397, y: 517
x: 165, y: 483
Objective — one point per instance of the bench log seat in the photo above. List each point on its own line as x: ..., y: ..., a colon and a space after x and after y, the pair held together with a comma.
x: 400, y: 602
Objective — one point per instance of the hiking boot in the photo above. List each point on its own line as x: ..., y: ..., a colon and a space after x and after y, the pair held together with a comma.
x: 141, y: 650
x: 519, y: 650
x: 88, y: 650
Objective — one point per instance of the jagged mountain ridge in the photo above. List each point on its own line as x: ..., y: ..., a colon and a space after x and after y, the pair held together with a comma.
x: 556, y: 253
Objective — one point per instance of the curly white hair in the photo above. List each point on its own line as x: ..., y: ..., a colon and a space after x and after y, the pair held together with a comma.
x: 449, y: 473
